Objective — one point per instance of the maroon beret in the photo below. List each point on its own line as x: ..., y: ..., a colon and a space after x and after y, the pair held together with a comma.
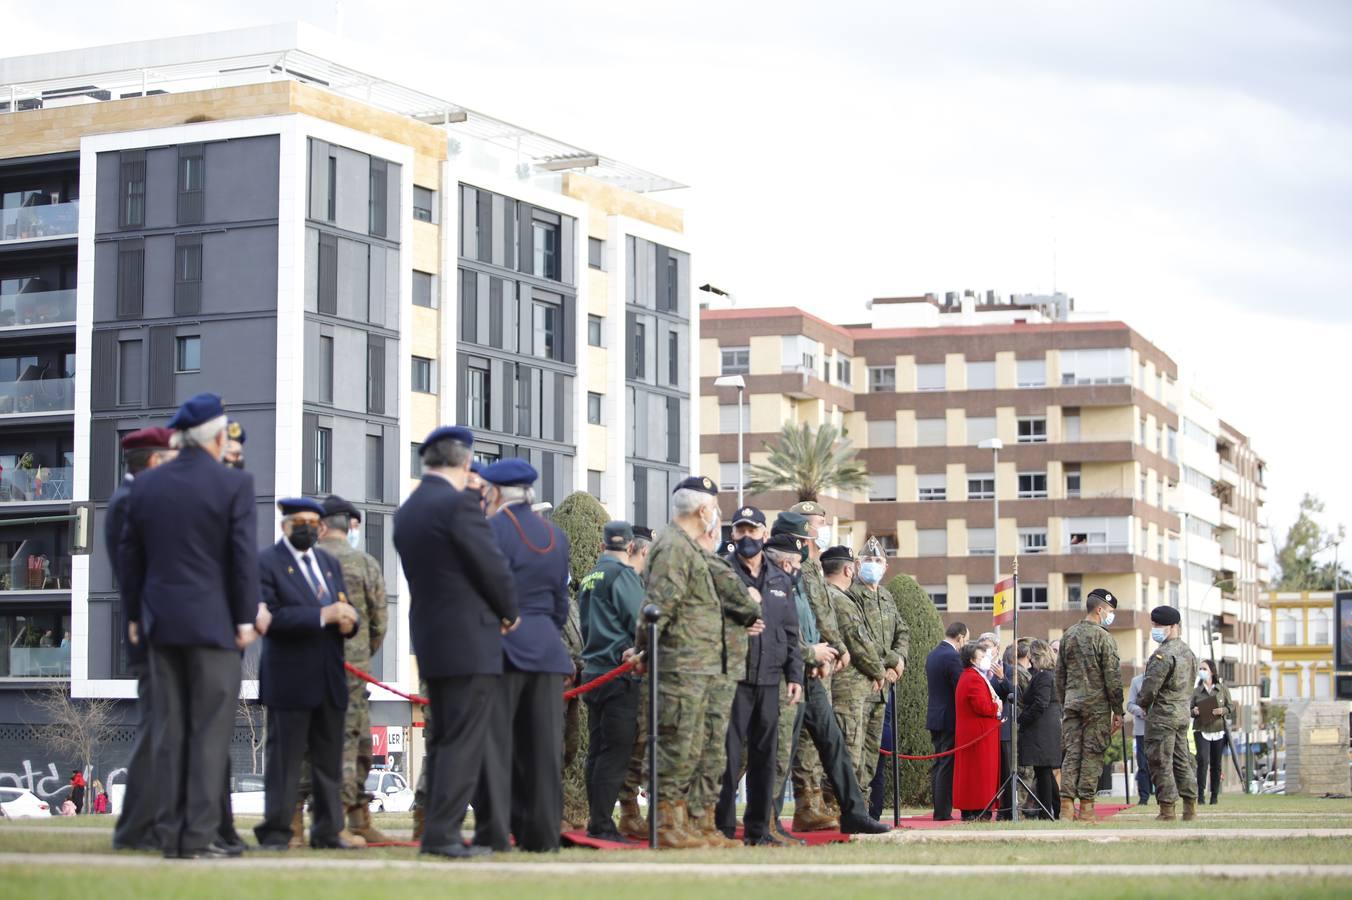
x: 148, y: 439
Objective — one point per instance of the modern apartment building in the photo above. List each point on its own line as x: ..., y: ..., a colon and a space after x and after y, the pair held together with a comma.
x: 349, y: 262
x: 1088, y: 478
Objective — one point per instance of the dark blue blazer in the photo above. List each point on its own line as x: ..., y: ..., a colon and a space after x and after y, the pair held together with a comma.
x: 115, y: 519
x: 301, y: 666
x: 943, y: 668
x: 189, y: 567
x: 458, y: 580
x: 540, y: 585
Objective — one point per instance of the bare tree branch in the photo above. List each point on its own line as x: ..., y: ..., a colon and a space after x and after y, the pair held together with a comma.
x: 75, y: 728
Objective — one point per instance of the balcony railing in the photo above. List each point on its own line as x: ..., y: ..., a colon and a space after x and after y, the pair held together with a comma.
x: 1090, y: 549
x: 39, y: 662
x: 35, y: 223
x: 43, y: 395
x: 40, y: 484
x: 37, y: 309
x: 35, y: 572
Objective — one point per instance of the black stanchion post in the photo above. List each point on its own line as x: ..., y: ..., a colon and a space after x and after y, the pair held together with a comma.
x: 650, y: 615
x: 1126, y: 761
x: 896, y: 764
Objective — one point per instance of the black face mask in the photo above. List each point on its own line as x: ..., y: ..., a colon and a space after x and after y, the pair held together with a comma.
x: 235, y: 463
x: 748, y: 546
x: 303, y: 537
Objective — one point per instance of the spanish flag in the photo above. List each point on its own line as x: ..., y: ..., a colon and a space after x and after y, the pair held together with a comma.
x: 1004, y: 601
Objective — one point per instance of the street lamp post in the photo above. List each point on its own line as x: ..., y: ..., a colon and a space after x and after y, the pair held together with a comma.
x: 738, y: 382
x: 995, y: 445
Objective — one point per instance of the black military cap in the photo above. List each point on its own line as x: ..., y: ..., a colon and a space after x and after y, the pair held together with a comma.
x: 618, y: 535
x: 749, y: 514
x: 702, y: 483
x: 843, y: 553
x: 335, y: 506
x: 1165, y: 615
x: 785, y: 543
x: 1105, y: 596
x: 790, y: 523
x: 643, y: 531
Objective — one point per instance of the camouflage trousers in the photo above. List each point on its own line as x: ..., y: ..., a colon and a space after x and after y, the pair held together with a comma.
x: 1084, y: 739
x: 683, y: 702
x: 875, y: 716
x: 851, y: 715
x: 1171, y: 762
x: 788, y: 720
x: 633, y: 778
x: 713, y: 751
x: 357, y: 757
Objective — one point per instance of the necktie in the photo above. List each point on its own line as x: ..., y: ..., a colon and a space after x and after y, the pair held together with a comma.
x: 316, y: 583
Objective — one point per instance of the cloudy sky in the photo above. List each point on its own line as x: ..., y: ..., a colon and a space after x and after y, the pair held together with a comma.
x: 1190, y: 162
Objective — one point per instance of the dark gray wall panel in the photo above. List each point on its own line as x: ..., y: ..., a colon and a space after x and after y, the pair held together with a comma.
x: 239, y: 270
x: 162, y: 187
x: 242, y: 179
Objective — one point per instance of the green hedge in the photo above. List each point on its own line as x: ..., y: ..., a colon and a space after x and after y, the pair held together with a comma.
x: 927, y: 629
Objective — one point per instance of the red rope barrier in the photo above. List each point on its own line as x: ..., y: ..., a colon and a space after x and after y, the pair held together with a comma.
x: 970, y: 743
x: 567, y: 695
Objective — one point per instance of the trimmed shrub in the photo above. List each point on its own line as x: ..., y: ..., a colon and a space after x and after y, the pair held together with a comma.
x: 927, y: 630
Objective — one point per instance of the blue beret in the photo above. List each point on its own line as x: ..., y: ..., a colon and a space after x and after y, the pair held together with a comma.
x: 235, y: 431
x: 196, y: 410
x: 476, y: 467
x: 511, y: 471
x: 451, y: 433
x: 292, y: 505
x: 701, y: 483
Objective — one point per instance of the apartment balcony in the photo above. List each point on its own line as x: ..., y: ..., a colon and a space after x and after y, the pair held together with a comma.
x: 37, y: 484
x: 37, y: 309
x: 1229, y: 562
x: 1264, y: 575
x: 1096, y: 549
x: 1229, y: 519
x: 39, y: 223
x: 1230, y: 605
x: 1228, y: 474
x: 37, y: 641
x: 32, y: 397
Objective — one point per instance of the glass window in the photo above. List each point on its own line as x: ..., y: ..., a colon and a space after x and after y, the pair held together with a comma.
x: 596, y: 249
x: 594, y: 331
x: 980, y: 428
x: 938, y: 595
x: 882, y: 379
x: 673, y: 358
x: 930, y: 377
x: 1323, y: 685
x: 545, y: 322
x: 593, y: 408
x: 844, y: 375
x: 323, y: 460
x: 37, y: 643
x: 1108, y: 366
x: 1032, y: 373
x: 415, y: 460
x: 638, y: 351
x: 883, y: 487
x: 424, y: 289
x: 882, y: 432
x: 1032, y: 596
x: 129, y: 375
x: 736, y: 360
x: 594, y: 484
x: 1074, y: 591
x: 325, y: 369
x: 981, y: 376
x: 727, y: 417
x: 188, y: 357
x: 191, y: 172
x: 375, y: 467
x: 424, y: 204
x: 672, y: 298
x: 1032, y: 540
x: 931, y: 432
x: 1097, y: 534
x: 333, y: 188
x: 931, y: 542
x: 1032, y: 485
x: 980, y: 541
x: 424, y: 377
x: 545, y: 241
x: 980, y: 597
x: 931, y: 487
x: 1033, y: 430
x: 1320, y: 625
x: 727, y: 476
x: 1073, y: 480
x: 133, y: 189
x: 981, y: 487
x: 477, y: 400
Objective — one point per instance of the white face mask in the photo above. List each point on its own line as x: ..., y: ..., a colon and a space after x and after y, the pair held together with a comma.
x: 1108, y: 619
x: 984, y: 664
x: 823, y: 538
x: 712, y: 528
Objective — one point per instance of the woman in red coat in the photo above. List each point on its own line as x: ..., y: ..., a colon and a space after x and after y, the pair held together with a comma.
x: 976, y: 766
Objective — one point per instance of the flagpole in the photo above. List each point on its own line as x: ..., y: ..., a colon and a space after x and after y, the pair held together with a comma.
x: 1014, y: 701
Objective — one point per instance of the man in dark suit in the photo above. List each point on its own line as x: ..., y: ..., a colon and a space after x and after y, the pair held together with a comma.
x: 189, y: 573
x: 943, y: 668
x: 461, y: 604
x: 301, y: 679
x: 142, y: 450
x: 521, y: 789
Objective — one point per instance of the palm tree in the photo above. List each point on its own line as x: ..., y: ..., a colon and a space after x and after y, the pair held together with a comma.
x: 809, y: 461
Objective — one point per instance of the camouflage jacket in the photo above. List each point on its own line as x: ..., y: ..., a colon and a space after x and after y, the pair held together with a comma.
x: 865, y: 667
x: 692, y: 630
x: 891, y: 631
x: 1166, y: 690
x: 1088, y: 670
x: 814, y: 586
x: 366, y: 592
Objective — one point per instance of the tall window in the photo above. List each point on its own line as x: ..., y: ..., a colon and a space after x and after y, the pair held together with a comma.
x: 376, y: 201
x: 545, y: 239
x: 188, y: 354
x: 424, y: 381
x: 594, y: 331
x: 375, y: 467
x: 736, y: 360
x: 1032, y: 485
x: 129, y: 374
x: 638, y: 350
x: 424, y: 204
x: 323, y: 460
x: 332, y: 177
x: 545, y: 318
x: 188, y: 275
x: 191, y: 181
x: 596, y: 253
x: 325, y: 368
x: 133, y: 189
x: 1073, y: 480
x: 593, y: 408
x: 882, y: 379
x: 1320, y: 621
x: 477, y: 400
x: 672, y: 299
x: 375, y: 375
x: 424, y: 289
x: 673, y: 358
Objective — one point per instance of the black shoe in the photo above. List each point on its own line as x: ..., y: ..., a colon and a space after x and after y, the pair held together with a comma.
x: 456, y: 851
x: 863, y: 826
x: 765, y: 840
x: 270, y: 847
x: 611, y: 834
x: 213, y: 850
x: 334, y: 844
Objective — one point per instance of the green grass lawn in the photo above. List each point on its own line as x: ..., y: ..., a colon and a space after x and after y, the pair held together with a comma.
x: 461, y: 880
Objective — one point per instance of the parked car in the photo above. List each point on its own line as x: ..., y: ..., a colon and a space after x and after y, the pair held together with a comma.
x: 389, y: 791
x: 56, y: 798
x: 246, y: 794
x: 18, y: 803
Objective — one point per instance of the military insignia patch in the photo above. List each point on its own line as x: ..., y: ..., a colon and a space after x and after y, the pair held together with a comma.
x: 232, y: 431
x: 708, y: 485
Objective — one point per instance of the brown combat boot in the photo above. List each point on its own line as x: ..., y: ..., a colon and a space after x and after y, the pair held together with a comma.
x: 632, y: 822
x: 1189, y: 809
x: 1087, y: 813
x: 355, y: 840
x: 808, y: 814
x: 709, y: 833
x: 419, y: 822
x: 359, y: 823
x: 1166, y: 813
x: 1067, y: 809
x: 297, y: 828
x: 670, y: 835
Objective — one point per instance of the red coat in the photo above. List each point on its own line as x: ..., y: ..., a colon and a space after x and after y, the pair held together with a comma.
x: 976, y: 769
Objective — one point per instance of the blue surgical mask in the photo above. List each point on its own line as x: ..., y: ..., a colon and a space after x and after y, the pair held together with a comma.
x: 1159, y: 635
x: 823, y: 538
x: 871, y: 572
x: 354, y: 538
x: 1108, y: 619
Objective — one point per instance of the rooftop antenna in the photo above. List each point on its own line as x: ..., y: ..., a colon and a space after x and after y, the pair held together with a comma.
x: 1053, y: 254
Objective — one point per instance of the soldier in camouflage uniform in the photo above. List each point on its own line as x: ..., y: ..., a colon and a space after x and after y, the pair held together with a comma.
x: 824, y: 655
x: 892, y: 637
x: 1166, y: 696
x: 693, y: 653
x: 1089, y: 686
x: 858, y: 687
